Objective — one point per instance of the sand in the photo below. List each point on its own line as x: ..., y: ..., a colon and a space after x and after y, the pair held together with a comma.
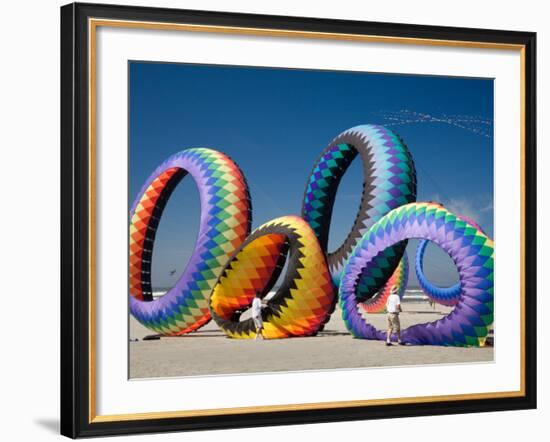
x: 208, y: 351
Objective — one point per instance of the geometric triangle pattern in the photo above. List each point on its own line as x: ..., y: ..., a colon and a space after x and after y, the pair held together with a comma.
x: 224, y: 224
x: 143, y: 225
x: 305, y: 298
x: 389, y: 182
x: 442, y: 295
x: 470, y: 249
x: 377, y: 303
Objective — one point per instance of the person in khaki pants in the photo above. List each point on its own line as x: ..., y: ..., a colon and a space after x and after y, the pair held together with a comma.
x: 393, y: 308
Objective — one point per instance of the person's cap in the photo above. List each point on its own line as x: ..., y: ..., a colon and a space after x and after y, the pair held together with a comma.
x: 393, y: 290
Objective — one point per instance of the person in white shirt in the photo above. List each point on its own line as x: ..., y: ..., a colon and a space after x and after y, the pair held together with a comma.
x: 257, y: 315
x: 393, y: 308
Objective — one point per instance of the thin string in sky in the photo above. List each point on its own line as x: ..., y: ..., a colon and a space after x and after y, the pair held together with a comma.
x: 471, y: 123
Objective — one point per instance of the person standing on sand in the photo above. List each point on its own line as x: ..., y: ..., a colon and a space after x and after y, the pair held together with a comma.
x: 393, y: 308
x: 257, y: 315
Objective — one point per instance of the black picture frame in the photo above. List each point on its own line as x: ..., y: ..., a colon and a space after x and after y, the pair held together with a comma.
x: 75, y: 221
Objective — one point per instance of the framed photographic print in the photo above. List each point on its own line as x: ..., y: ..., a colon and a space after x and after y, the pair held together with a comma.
x: 275, y: 220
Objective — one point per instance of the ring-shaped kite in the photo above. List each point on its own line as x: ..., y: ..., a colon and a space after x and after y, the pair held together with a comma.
x: 389, y: 182
x: 225, y: 223
x: 470, y: 249
x: 305, y: 297
x: 443, y: 295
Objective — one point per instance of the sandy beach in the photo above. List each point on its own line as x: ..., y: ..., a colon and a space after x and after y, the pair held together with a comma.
x: 208, y: 351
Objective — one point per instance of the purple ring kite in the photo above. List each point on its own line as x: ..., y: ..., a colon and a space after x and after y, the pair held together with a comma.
x: 225, y: 224
x: 470, y: 249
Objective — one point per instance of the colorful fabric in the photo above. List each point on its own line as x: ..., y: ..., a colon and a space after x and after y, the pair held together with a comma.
x: 225, y: 223
x: 443, y: 295
x: 304, y: 300
x: 389, y: 182
x: 470, y: 249
x: 377, y: 303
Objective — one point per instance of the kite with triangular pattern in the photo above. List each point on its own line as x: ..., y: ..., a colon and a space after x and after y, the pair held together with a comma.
x: 225, y: 223
x: 470, y: 249
x: 389, y: 181
x: 303, y: 301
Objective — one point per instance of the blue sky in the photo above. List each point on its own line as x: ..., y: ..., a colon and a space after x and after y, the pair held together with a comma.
x: 275, y: 122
